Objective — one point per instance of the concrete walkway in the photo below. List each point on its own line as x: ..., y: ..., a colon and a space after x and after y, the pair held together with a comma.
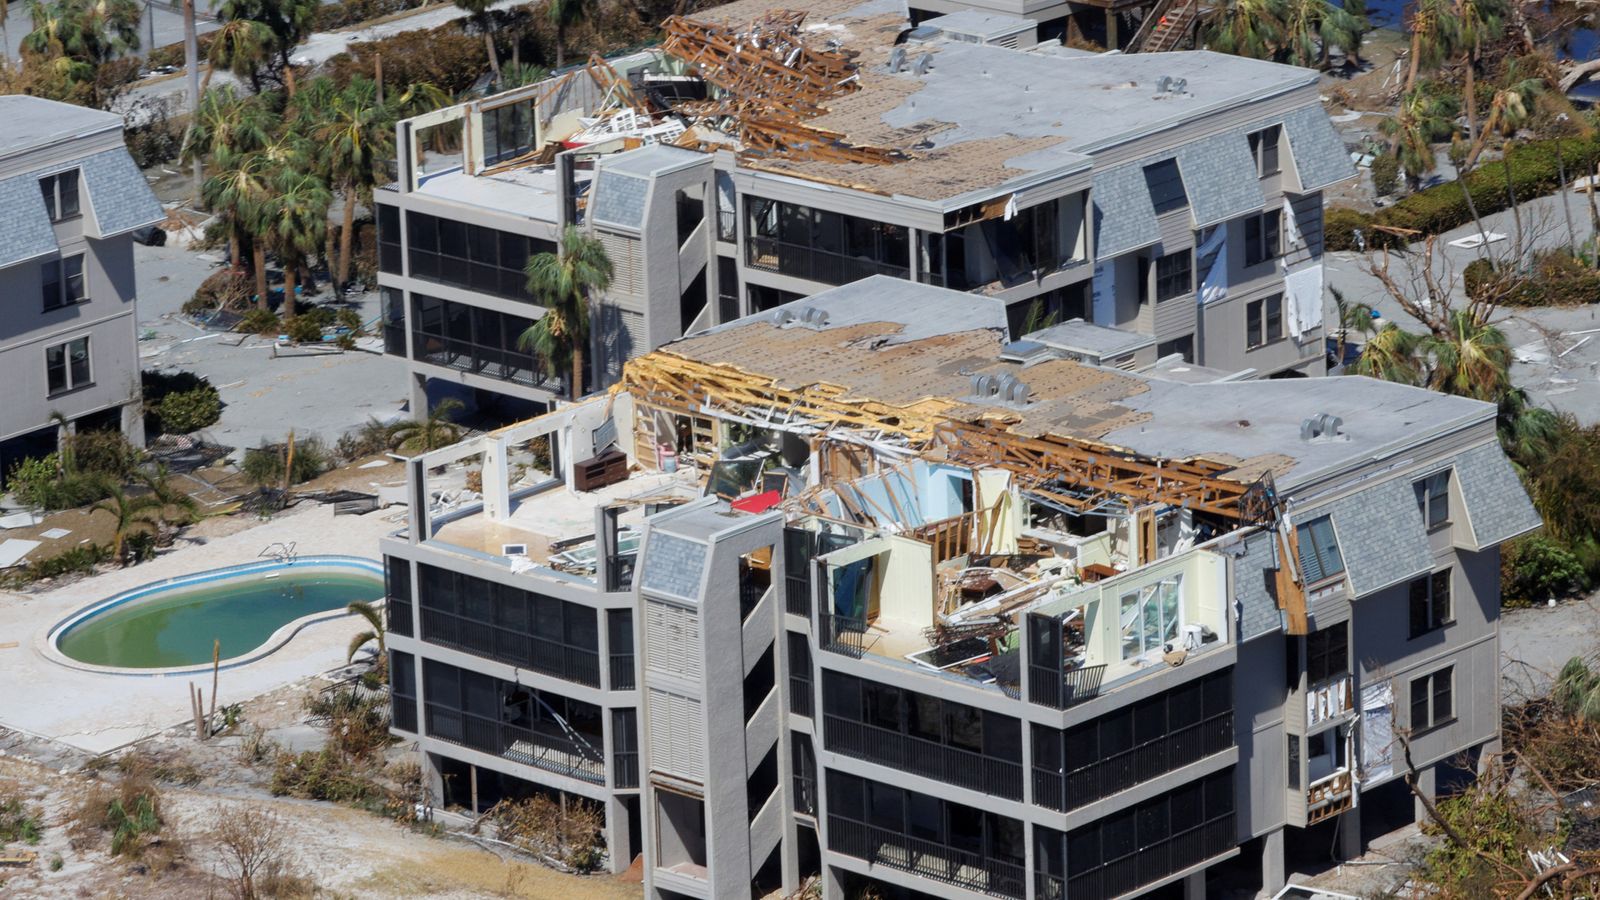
x: 97, y: 712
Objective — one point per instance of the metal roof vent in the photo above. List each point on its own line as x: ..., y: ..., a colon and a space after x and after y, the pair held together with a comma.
x: 814, y: 316
x: 1017, y: 392
x: 897, y: 59
x: 985, y: 386
x: 1321, y: 426
x: 922, y: 65
x: 782, y: 317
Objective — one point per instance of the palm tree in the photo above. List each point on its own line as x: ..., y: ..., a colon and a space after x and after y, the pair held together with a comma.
x: 1391, y: 355
x: 1421, y: 119
x: 239, y: 194
x: 1353, y: 317
x: 1509, y: 110
x: 169, y: 499
x: 431, y: 432
x: 1472, y: 359
x: 133, y: 514
x: 1577, y: 690
x: 375, y: 632
x: 565, y: 13
x: 1250, y: 28
x: 288, y: 20
x: 1475, y: 20
x: 1435, y: 33
x: 1311, y: 27
x: 242, y: 46
x: 478, y: 12
x: 355, y: 138
x: 564, y: 282
x: 294, y: 222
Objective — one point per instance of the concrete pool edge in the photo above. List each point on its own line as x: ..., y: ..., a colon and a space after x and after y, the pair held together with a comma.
x: 46, y: 643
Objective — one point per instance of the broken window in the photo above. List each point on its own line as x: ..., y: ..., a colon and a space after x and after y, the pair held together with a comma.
x: 1326, y: 654
x: 507, y: 132
x: 1165, y: 183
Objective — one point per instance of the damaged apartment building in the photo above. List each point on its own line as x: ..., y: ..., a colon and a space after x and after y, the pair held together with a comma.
x: 861, y: 588
x: 1146, y: 206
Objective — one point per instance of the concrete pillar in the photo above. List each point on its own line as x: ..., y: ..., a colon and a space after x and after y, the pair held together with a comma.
x: 1350, y: 833
x: 1273, y: 876
x: 419, y: 397
x: 133, y: 423
x: 1194, y: 886
x: 432, y: 781
x: 1111, y: 29
x: 617, y: 827
x: 1427, y: 785
x: 832, y: 883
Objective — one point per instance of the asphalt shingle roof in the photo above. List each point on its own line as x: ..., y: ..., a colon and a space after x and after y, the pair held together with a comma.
x: 1497, y: 506
x: 1319, y: 154
x: 1216, y: 171
x: 1381, y: 535
x: 1124, y: 216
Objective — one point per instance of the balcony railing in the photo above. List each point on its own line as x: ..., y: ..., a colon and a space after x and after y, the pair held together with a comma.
x: 399, y: 616
x: 811, y: 264
x: 1063, y: 690
x: 394, y: 339
x: 512, y: 648
x: 800, y: 696
x: 627, y: 769
x: 1049, y: 887
x: 843, y: 634
x: 542, y: 749
x: 883, y: 847
x: 622, y: 672
x: 403, y: 713
x: 751, y: 591
x: 805, y: 794
x: 952, y: 765
x: 797, y: 595
x: 1154, y: 862
x: 1108, y: 775
x: 490, y: 362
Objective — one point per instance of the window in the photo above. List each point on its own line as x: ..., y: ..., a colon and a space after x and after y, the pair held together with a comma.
x: 1183, y: 347
x: 60, y: 195
x: 1430, y: 603
x: 823, y: 246
x: 471, y: 256
x: 516, y: 627
x: 1433, y: 499
x: 63, y: 281
x: 1319, y: 550
x: 1174, y: 275
x: 1326, y: 654
x: 67, y: 366
x: 1264, y: 150
x: 474, y: 339
x: 388, y: 239
x: 1325, y: 753
x: 1264, y: 321
x: 1166, y: 186
x: 1149, y: 617
x: 1261, y: 237
x: 507, y: 131
x: 1165, y: 834
x: 1433, y: 700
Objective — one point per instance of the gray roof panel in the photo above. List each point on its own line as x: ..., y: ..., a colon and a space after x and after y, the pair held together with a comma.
x: 1215, y: 172
x: 1124, y: 216
x: 619, y: 199
x: 1253, y: 572
x: 1497, y: 506
x: 25, y: 231
x: 1319, y: 154
x: 121, y: 197
x: 672, y: 565
x: 1381, y: 535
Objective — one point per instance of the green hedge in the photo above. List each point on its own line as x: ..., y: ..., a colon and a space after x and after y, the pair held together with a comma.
x: 1535, y: 171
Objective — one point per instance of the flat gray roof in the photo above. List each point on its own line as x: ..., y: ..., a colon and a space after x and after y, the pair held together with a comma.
x: 920, y: 310
x: 34, y: 122
x: 530, y: 193
x: 978, y: 22
x: 651, y: 160
x: 1079, y: 336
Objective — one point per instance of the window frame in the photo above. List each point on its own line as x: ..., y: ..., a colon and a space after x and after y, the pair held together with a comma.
x: 1165, y: 280
x: 63, y: 282
x: 1324, y: 647
x: 1308, y: 527
x: 1265, y: 143
x: 1433, y: 499
x: 1263, y: 324
x: 50, y: 189
x: 1426, y: 596
x: 1263, y: 237
x: 70, y: 382
x: 1424, y: 694
x: 1159, y: 177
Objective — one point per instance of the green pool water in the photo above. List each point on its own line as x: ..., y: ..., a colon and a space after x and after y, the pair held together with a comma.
x: 175, y: 628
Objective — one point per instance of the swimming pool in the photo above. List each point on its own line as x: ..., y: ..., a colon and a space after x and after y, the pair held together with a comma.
x: 252, y: 609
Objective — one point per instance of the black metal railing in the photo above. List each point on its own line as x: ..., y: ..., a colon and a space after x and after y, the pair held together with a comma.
x: 811, y: 264
x: 805, y: 794
x: 510, y: 647
x: 403, y: 713
x: 797, y: 595
x: 952, y: 765
x: 1063, y: 690
x: 399, y: 616
x: 1049, y: 887
x: 751, y: 591
x: 1107, y: 775
x: 883, y: 847
x: 479, y: 359
x: 542, y: 749
x: 843, y: 634
x: 622, y: 672
x: 626, y: 766
x: 394, y: 339
x: 800, y: 696
x: 1156, y: 861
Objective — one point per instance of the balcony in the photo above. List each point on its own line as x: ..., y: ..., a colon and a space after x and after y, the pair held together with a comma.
x: 882, y: 847
x: 805, y: 794
x: 541, y: 749
x: 1064, y: 690
x: 797, y: 596
x: 800, y: 696
x: 1109, y: 775
x: 952, y: 765
x: 1173, y: 855
x: 1329, y: 796
x: 626, y: 766
x: 773, y: 255
x: 844, y: 635
x: 622, y: 672
x: 490, y: 362
x: 526, y: 651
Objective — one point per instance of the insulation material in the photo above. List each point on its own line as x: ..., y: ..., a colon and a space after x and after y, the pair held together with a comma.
x: 1303, y: 290
x: 1213, y: 256
x: 1377, y: 731
x: 1292, y: 238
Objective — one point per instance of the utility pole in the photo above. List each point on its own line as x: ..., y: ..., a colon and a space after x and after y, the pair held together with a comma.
x: 150, y: 27
x: 191, y: 59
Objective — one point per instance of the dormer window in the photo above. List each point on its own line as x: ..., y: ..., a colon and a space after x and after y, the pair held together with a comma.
x: 60, y: 195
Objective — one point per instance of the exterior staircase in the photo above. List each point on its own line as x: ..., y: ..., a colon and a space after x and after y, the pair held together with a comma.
x: 1168, y: 23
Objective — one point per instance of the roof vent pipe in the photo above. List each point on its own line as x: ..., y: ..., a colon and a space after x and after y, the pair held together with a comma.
x: 1017, y: 393
x: 782, y: 317
x: 922, y: 65
x: 897, y: 59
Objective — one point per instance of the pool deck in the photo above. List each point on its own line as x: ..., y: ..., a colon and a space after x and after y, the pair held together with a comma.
x: 99, y: 712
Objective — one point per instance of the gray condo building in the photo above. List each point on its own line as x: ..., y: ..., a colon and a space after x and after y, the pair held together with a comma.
x: 1173, y: 201
x: 72, y: 197
x: 860, y: 588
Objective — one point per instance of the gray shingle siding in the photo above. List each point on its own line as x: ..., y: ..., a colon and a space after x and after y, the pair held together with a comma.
x: 1124, y: 216
x: 1319, y: 154
x: 672, y: 565
x: 122, y: 199
x: 1381, y: 535
x: 1497, y: 506
x: 1219, y: 175
x: 619, y: 200
x: 25, y: 231
x: 1252, y: 573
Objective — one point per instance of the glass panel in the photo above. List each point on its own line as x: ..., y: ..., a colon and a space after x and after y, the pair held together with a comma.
x: 78, y: 353
x: 55, y: 361
x: 67, y: 187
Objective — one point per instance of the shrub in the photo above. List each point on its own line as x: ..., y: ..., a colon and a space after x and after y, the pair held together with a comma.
x: 41, y: 484
x: 254, y: 842
x: 1385, y: 174
x: 1534, y: 569
x: 358, y: 725
x: 443, y: 57
x: 186, y: 412
x: 372, y: 437
x: 263, y: 465
x: 19, y: 822
x: 321, y: 775
x: 572, y: 835
x: 1339, y: 226
x: 333, y: 16
x: 220, y: 290
x: 303, y: 330
x: 1557, y: 279
x: 130, y: 815
x: 259, y: 321
x: 105, y: 453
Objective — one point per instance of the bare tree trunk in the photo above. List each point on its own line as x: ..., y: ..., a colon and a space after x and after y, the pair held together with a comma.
x: 377, y: 74
x: 1594, y: 212
x: 1472, y: 96
x: 1566, y: 208
x: 288, y: 81
x: 561, y: 44
x: 259, y: 254
x: 344, y: 237
x: 289, y: 273
x: 191, y: 59
x: 1516, y: 214
x: 488, y: 43
x: 577, y: 371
